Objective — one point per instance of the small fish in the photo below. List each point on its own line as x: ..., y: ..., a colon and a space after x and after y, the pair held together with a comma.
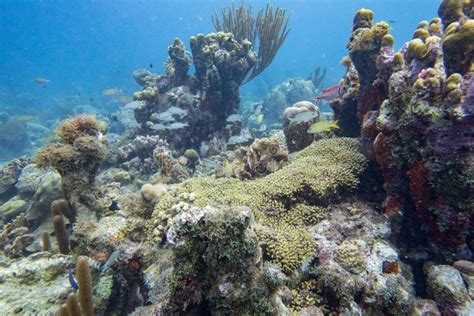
x: 322, y: 127
x: 165, y: 117
x: 26, y: 118
x: 72, y: 281
x: 391, y: 267
x: 177, y: 111
x: 330, y: 93
x: 158, y: 127
x: 303, y: 117
x: 133, y: 105
x: 124, y: 99
x: 151, y: 65
x: 177, y: 125
x: 111, y: 92
x: 259, y: 119
x: 234, y: 118
x: 227, y: 169
x: 42, y: 81
x: 111, y: 261
x: 392, y: 21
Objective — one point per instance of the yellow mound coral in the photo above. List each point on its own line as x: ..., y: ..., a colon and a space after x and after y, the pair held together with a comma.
x: 450, y: 11
x: 388, y: 40
x: 351, y: 255
x: 286, y: 244
x: 320, y: 172
x: 458, y: 44
x: 417, y: 49
x: 304, y: 295
x: 421, y: 34
x: 363, y: 18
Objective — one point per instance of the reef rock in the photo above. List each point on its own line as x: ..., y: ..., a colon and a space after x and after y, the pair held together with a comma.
x: 9, y: 175
x: 49, y: 189
x: 414, y: 111
x: 23, y: 284
x: 11, y: 209
x: 296, y: 121
x: 447, y: 288
x: 220, y: 244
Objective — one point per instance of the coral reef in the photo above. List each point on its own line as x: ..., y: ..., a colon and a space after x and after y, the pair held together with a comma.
x: 145, y: 157
x: 16, y: 240
x: 446, y: 286
x: 198, y: 211
x: 12, y: 209
x: 196, y: 106
x: 77, y: 158
x: 320, y: 173
x: 408, y: 105
x: 25, y: 281
x: 40, y: 188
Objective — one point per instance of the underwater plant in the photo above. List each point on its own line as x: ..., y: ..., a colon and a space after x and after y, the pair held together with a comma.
x: 317, y: 77
x: 268, y: 31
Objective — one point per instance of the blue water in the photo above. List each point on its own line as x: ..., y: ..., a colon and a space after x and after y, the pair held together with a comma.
x: 84, y: 47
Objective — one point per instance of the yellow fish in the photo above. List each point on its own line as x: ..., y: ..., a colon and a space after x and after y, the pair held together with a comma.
x: 323, y: 127
x: 227, y: 169
x: 41, y: 81
x: 111, y: 92
x: 259, y: 119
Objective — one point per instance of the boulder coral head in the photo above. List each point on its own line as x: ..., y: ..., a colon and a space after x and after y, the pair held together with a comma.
x: 77, y: 157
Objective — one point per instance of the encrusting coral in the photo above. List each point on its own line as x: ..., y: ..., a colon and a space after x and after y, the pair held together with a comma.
x: 76, y: 157
x: 319, y: 173
x: 216, y: 251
